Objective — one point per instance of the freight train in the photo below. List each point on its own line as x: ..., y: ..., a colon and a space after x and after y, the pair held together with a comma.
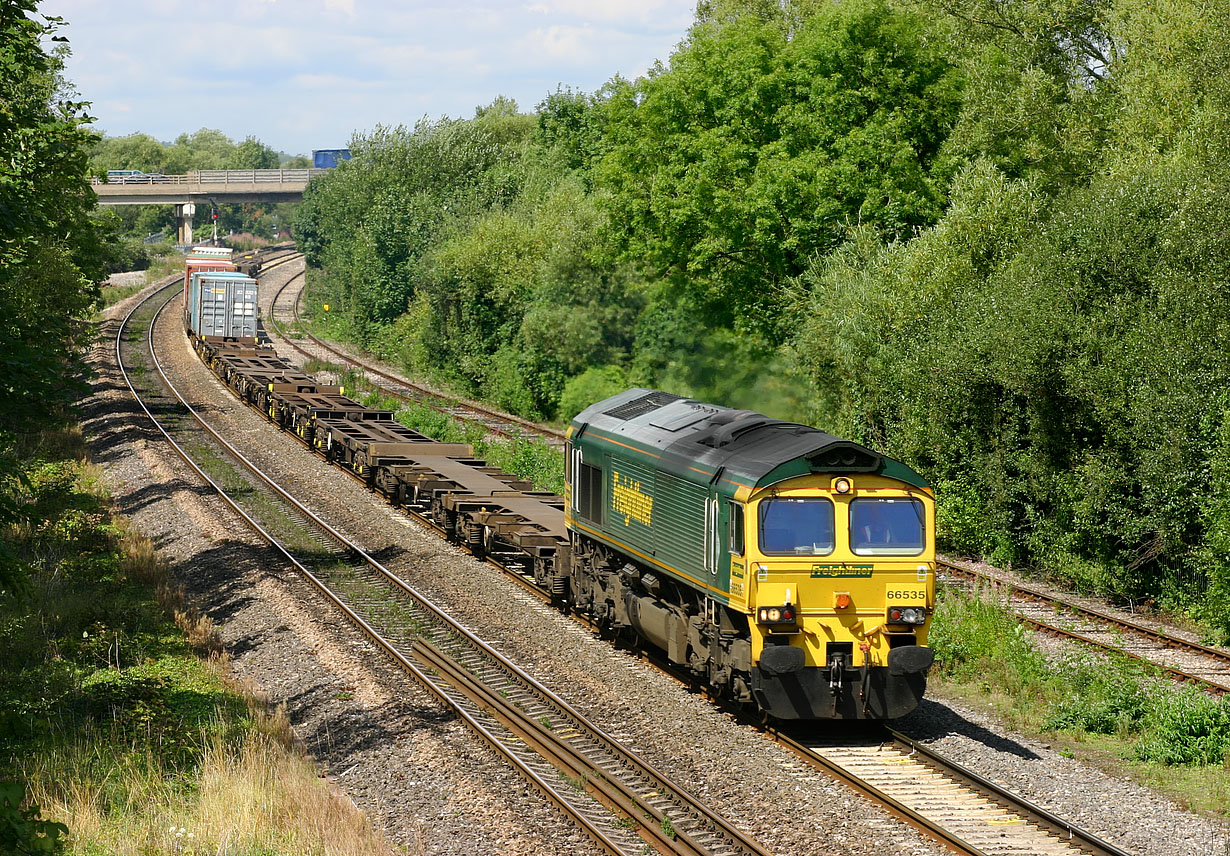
x: 789, y: 570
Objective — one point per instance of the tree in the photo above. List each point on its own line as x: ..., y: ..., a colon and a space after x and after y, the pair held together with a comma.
x: 253, y: 154
x: 761, y: 144
x: 1053, y: 352
x: 51, y: 251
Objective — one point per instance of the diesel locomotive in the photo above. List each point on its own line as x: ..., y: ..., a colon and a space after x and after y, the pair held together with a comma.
x: 788, y: 569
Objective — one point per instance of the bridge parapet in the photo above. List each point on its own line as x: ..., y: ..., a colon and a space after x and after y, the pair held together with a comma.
x: 206, y: 185
x: 210, y: 186
x: 214, y: 177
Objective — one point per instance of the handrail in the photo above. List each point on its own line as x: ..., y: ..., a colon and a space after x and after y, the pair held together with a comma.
x: 217, y: 176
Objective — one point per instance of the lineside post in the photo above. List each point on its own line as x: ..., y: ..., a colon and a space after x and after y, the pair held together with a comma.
x: 183, y: 222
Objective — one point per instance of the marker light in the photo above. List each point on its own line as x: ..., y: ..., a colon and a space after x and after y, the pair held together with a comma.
x: 842, y: 485
x: 907, y: 615
x: 841, y: 600
x: 776, y: 614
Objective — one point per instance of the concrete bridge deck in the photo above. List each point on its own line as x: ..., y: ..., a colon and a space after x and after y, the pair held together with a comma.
x: 216, y: 185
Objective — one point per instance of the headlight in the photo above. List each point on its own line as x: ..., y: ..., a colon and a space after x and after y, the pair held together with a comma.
x: 907, y: 615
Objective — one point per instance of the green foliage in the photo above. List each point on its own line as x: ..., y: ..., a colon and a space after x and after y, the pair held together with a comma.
x: 590, y: 386
x: 980, y: 644
x: 1052, y: 350
x: 760, y: 143
x: 369, y: 222
x: 1103, y: 697
x: 22, y: 831
x: 976, y: 640
x: 99, y: 691
x: 1186, y: 727
x: 988, y: 239
x: 51, y: 249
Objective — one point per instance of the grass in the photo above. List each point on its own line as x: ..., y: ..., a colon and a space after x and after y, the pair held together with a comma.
x: 1108, y: 709
x: 119, y: 716
x: 113, y: 294
x: 162, y: 266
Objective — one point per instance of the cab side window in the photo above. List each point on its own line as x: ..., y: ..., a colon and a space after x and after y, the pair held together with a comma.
x: 589, y: 492
x: 736, y: 529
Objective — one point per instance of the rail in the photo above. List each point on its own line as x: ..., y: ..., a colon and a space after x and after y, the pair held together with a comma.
x: 1153, y: 645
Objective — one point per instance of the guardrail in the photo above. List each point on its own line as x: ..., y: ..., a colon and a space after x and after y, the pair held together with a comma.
x: 218, y: 176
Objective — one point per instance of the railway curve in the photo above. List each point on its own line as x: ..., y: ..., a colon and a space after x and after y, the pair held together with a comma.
x: 669, y: 819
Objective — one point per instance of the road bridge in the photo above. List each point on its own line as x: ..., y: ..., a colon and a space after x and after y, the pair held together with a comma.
x: 204, y: 186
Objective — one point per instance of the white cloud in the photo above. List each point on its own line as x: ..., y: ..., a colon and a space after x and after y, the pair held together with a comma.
x: 572, y: 45
x: 304, y: 74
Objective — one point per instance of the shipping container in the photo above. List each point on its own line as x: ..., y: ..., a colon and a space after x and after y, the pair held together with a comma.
x: 223, y: 305
x: 202, y: 259
x: 329, y: 158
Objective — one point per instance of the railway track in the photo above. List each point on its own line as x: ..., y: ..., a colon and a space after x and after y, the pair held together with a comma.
x: 622, y: 803
x: 500, y: 424
x: 539, y: 734
x: 966, y: 812
x: 1180, y: 658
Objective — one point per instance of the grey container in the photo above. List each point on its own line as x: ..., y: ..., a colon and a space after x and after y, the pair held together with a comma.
x: 223, y: 305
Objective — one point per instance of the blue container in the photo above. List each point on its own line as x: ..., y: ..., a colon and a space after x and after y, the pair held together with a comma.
x: 329, y: 158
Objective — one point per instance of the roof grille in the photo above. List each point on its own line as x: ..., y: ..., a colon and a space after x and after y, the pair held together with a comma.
x: 647, y: 403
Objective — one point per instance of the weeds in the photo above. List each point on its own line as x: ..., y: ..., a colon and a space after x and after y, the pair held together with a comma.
x: 1092, y: 698
x: 118, y: 714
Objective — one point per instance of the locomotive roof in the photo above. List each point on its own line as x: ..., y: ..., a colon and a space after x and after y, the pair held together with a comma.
x: 690, y: 438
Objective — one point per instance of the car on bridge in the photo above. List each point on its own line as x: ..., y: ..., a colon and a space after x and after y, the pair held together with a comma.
x: 121, y: 176
x: 135, y: 176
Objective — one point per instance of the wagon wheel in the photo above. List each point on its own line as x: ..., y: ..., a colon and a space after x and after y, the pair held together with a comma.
x: 475, y: 540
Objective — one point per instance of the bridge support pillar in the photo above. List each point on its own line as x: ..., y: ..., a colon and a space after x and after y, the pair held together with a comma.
x: 183, y: 222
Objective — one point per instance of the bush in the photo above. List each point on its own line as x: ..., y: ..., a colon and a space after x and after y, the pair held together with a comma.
x: 1102, y: 697
x: 1185, y: 726
x: 977, y: 639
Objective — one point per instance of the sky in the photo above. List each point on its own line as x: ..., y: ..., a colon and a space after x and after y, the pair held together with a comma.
x: 306, y: 74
